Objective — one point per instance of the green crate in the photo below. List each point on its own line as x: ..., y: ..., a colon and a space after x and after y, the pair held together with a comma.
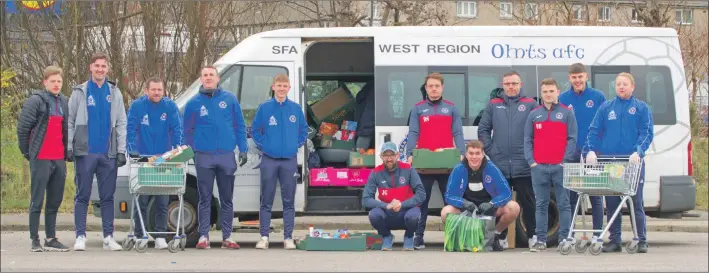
x: 374, y: 240
x: 359, y: 160
x: 328, y: 142
x: 426, y: 159
x: 160, y: 175
x: 185, y: 156
x: 354, y: 243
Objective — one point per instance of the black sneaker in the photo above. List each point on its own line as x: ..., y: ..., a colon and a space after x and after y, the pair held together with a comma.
x: 612, y: 247
x: 418, y: 242
x: 54, y: 245
x: 538, y: 247
x: 496, y: 246
x: 642, y: 247
x: 36, y: 246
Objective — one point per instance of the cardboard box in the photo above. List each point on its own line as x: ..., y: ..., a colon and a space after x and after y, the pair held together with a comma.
x: 358, y: 177
x: 329, y: 177
x: 333, y: 108
x: 426, y: 159
x: 359, y: 160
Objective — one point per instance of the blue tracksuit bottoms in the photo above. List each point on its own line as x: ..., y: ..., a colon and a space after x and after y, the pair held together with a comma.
x: 160, y: 202
x: 273, y: 171
x: 427, y: 180
x: 222, y: 168
x: 596, y: 204
x: 106, y: 171
x: 613, y: 202
x: 384, y: 221
x: 544, y: 177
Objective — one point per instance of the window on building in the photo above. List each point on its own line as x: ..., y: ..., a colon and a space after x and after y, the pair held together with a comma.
x: 578, y: 12
x: 506, y: 11
x: 683, y: 16
x: 604, y: 13
x: 468, y: 9
x: 634, y: 15
x: 531, y: 11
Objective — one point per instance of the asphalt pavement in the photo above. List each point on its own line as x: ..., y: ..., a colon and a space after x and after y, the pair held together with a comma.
x: 672, y: 252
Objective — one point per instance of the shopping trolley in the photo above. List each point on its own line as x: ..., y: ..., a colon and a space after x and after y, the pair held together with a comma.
x: 608, y: 177
x: 156, y: 178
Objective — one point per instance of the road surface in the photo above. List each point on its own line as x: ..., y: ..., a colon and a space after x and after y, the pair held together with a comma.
x: 668, y: 252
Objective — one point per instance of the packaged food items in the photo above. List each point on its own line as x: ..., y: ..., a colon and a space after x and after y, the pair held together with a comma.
x: 328, y: 129
x: 349, y: 125
x: 168, y: 155
x: 366, y: 152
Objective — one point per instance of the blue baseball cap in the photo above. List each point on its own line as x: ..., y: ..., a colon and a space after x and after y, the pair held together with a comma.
x: 389, y: 146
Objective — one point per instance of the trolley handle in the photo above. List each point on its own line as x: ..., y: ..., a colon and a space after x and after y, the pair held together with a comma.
x: 612, y: 158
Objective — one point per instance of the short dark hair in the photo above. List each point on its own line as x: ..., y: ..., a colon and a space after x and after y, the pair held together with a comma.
x: 475, y: 144
x: 98, y: 56
x: 511, y: 73
x: 154, y: 79
x: 577, y: 68
x: 549, y: 81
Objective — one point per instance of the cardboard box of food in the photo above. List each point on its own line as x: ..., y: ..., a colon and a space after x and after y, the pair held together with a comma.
x: 333, y: 108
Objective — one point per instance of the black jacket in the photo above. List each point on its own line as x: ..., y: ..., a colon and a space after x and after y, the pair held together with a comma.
x: 33, y: 120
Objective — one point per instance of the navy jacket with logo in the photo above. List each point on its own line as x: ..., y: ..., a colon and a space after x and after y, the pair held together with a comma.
x: 500, y: 130
x: 403, y: 183
x: 585, y: 105
x: 493, y: 182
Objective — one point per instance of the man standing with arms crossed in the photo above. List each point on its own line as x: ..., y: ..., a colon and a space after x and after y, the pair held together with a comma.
x: 214, y: 127
x: 97, y: 141
x: 154, y: 127
x: 42, y: 138
x: 276, y: 124
x: 505, y: 116
x: 584, y: 101
x: 549, y: 141
x: 433, y: 123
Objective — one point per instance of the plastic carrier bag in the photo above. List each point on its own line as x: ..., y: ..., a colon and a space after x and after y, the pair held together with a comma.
x: 469, y: 232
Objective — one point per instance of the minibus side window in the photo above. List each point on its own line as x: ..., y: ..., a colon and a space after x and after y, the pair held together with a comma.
x: 256, y: 88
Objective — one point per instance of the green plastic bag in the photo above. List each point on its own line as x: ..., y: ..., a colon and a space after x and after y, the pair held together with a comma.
x: 468, y: 232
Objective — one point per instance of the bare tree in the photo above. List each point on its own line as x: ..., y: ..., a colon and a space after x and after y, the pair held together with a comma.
x: 694, y: 43
x: 413, y: 13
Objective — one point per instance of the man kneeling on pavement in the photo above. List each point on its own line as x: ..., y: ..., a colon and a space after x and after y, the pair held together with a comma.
x: 400, y: 195
x: 476, y: 184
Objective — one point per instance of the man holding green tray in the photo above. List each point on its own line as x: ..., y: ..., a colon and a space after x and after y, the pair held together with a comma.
x: 400, y: 195
x: 434, y: 123
x: 154, y: 127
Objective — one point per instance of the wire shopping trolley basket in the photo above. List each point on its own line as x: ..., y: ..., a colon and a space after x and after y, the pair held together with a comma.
x: 156, y: 178
x: 608, y: 177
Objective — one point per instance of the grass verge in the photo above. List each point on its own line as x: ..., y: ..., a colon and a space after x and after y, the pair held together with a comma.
x: 14, y: 174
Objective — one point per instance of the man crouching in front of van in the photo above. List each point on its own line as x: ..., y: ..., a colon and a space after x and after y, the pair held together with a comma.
x: 276, y: 122
x: 400, y: 195
x: 214, y: 127
x: 476, y: 184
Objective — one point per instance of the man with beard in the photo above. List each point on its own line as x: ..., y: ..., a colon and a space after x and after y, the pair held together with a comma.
x: 400, y: 195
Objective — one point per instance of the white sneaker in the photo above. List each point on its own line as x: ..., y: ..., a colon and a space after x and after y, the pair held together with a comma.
x: 288, y: 244
x: 160, y: 243
x: 263, y: 243
x: 532, y: 241
x: 504, y: 243
x: 80, y: 244
x: 110, y: 244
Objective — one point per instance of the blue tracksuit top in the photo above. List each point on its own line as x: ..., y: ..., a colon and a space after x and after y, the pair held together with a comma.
x: 585, y: 105
x: 493, y: 182
x: 153, y: 128
x: 214, y: 124
x: 624, y: 126
x: 276, y: 126
x: 98, y: 109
